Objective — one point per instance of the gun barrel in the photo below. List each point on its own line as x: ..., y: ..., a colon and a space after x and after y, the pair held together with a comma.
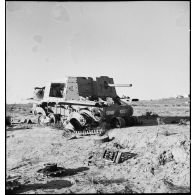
x: 120, y: 85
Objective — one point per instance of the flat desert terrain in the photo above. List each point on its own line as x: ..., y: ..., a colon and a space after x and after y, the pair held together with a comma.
x: 159, y: 160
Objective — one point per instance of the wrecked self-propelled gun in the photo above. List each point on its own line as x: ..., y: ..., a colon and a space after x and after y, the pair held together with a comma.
x: 82, y: 104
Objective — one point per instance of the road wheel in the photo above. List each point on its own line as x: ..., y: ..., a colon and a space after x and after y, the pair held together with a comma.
x: 118, y: 122
x: 75, y: 123
x: 98, y: 113
x: 52, y: 118
x: 41, y: 119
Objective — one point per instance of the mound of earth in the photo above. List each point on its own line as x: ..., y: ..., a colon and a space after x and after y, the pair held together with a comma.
x: 161, y: 163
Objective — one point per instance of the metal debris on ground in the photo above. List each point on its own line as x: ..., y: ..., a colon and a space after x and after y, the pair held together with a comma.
x: 18, y: 124
x: 12, y: 183
x: 111, y: 155
x: 73, y: 137
x: 95, y: 158
x: 118, y: 146
x: 167, y: 133
x: 9, y: 136
x: 125, y: 156
x: 21, y: 165
x: 51, y: 169
x: 23, y: 120
x: 89, y: 132
x: 19, y: 127
x: 117, y: 156
x: 184, y: 122
x: 101, y: 139
x: 28, y: 121
x: 69, y: 133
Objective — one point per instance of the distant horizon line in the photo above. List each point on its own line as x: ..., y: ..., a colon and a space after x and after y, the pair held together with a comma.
x: 176, y: 97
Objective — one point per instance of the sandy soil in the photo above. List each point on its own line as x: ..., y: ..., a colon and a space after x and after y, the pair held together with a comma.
x: 161, y: 162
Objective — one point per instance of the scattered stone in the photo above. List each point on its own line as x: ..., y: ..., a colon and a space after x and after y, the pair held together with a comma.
x: 152, y: 170
x: 175, y: 188
x: 165, y: 157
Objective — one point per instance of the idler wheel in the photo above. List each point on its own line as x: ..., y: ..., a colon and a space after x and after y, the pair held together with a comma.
x: 41, y: 119
x: 118, y: 122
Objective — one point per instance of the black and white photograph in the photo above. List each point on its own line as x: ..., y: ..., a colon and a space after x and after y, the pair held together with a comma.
x: 97, y: 97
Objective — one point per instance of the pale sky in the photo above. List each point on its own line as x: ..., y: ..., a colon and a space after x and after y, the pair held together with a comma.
x: 144, y: 43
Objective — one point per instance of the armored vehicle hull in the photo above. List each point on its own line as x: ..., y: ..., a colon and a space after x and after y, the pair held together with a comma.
x: 81, y: 103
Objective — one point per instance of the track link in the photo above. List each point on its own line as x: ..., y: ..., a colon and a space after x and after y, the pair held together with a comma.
x: 89, y: 132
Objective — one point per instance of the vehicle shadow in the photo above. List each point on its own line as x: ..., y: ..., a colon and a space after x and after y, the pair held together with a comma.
x: 161, y: 120
x: 55, y: 184
x: 70, y: 172
x: 62, y: 172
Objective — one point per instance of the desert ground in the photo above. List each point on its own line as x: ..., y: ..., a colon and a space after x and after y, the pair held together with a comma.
x: 160, y: 164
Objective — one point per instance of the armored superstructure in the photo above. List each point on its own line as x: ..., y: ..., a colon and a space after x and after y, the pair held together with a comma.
x: 80, y: 102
